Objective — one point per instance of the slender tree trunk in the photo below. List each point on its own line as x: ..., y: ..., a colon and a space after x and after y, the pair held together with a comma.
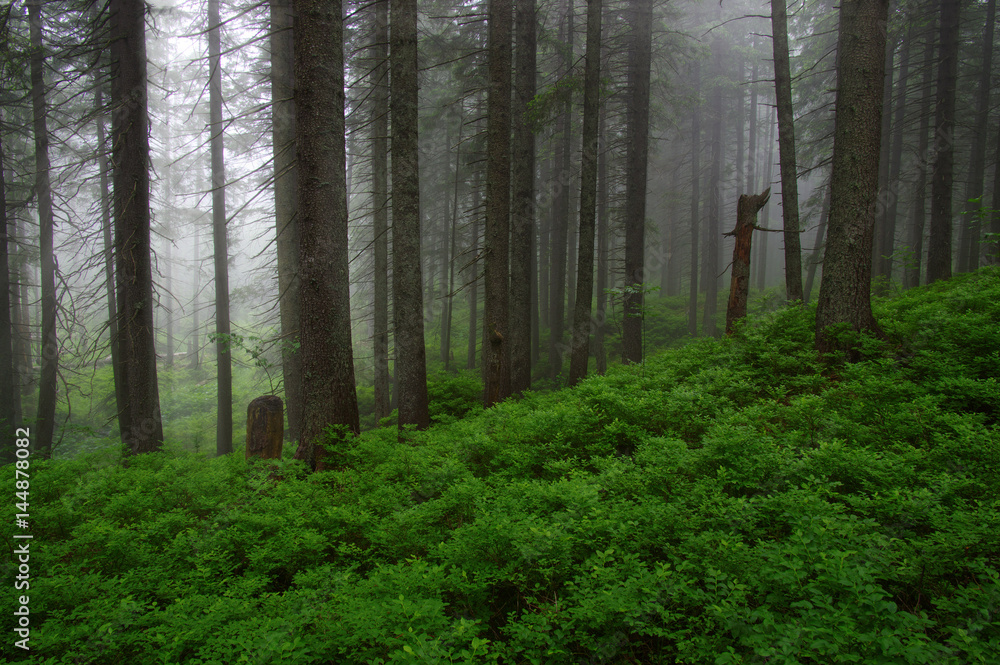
x: 140, y: 420
x: 816, y: 258
x: 845, y: 290
x: 560, y: 216
x: 635, y: 177
x: 883, y: 166
x: 887, y: 242
x: 968, y: 258
x: 695, y: 201
x: 786, y: 151
x: 380, y: 209
x: 46, y: 414
x: 194, y: 352
x: 580, y: 353
x: 496, y: 346
x: 942, y: 178
x: 523, y: 201
x: 746, y: 220
x: 768, y: 180
x: 472, y: 353
x: 714, y: 229
x: 10, y: 394
x: 993, y: 253
x: 286, y: 207
x: 109, y: 259
x: 330, y: 397
x: 446, y: 316
x: 220, y: 243
x: 751, y: 184
x: 544, y: 253
x: 602, y: 243
x: 407, y: 295
x: 911, y: 277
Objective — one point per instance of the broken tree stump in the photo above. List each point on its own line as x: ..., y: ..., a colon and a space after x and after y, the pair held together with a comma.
x: 746, y: 221
x: 265, y: 427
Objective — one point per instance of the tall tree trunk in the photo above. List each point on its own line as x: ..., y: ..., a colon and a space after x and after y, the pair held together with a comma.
x: 560, y: 214
x: 816, y: 257
x: 223, y: 347
x: 140, y: 419
x: 407, y: 295
x: 109, y: 259
x: 883, y: 165
x: 453, y: 243
x: 635, y: 177
x: 845, y: 290
x: 472, y: 354
x: 286, y: 207
x: 942, y: 178
x: 46, y: 414
x: 786, y: 151
x: 330, y: 397
x: 544, y: 253
x: 10, y: 393
x: 695, y: 200
x: 887, y: 243
x: 194, y: 345
x: 968, y: 258
x: 768, y: 174
x: 993, y: 254
x: 522, y: 201
x: 580, y: 353
x: 714, y: 228
x: 496, y: 346
x: 911, y: 276
x: 601, y: 316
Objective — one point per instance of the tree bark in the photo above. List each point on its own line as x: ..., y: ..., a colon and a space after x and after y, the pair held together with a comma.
x: 220, y: 242
x: 265, y: 428
x: 786, y: 151
x: 635, y: 177
x: 10, y: 393
x: 522, y: 201
x: 496, y: 346
x: 580, y: 353
x: 140, y: 420
x: 601, y: 317
x: 330, y: 401
x: 911, y: 276
x: 407, y: 295
x: 968, y: 258
x: 845, y: 290
x: 696, y: 200
x: 286, y: 206
x: 453, y: 244
x: 713, y: 230
x: 942, y: 178
x: 746, y: 220
x: 816, y: 257
x: 887, y: 243
x: 472, y: 354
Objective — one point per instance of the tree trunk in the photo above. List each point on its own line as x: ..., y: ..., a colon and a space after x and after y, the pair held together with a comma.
x: 450, y: 297
x: 10, y: 393
x: 286, y: 206
x: 746, y: 220
x: 601, y: 317
x: 560, y: 214
x: 845, y: 290
x: 523, y: 201
x: 696, y: 200
x: 635, y: 178
x: 330, y: 399
x: 265, y: 428
x: 786, y: 151
x: 761, y: 268
x: 472, y: 354
x: 911, y: 277
x: 140, y: 420
x: 46, y: 415
x: 496, y: 346
x: 713, y: 230
x: 887, y: 243
x: 580, y: 352
x: 220, y: 244
x: 380, y: 209
x: 968, y: 258
x: 993, y: 253
x: 942, y: 177
x: 407, y: 295
x: 816, y: 257
x: 883, y: 166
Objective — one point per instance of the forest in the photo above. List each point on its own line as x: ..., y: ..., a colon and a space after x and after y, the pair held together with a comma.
x: 557, y: 331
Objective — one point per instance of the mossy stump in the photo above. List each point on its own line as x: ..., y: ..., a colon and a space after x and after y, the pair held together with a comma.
x: 265, y: 427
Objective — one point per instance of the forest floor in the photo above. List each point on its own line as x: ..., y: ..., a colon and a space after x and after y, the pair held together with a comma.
x: 742, y: 500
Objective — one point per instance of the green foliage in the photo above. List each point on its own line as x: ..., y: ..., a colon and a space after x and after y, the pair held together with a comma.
x: 740, y: 501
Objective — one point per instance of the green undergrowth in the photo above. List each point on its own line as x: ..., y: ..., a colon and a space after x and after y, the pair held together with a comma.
x: 733, y: 501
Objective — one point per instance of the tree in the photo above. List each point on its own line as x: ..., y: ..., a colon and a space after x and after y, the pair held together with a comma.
x: 786, y: 151
x: 282, y: 45
x: 911, y: 275
x: 845, y: 288
x: 641, y: 16
x: 407, y: 293
x: 380, y: 206
x: 140, y: 420
x: 330, y: 403
x: 713, y: 229
x: 496, y: 346
x: 580, y: 352
x: 522, y: 266
x: 46, y: 414
x: 696, y: 197
x: 942, y: 177
x: 223, y: 347
x: 10, y: 395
